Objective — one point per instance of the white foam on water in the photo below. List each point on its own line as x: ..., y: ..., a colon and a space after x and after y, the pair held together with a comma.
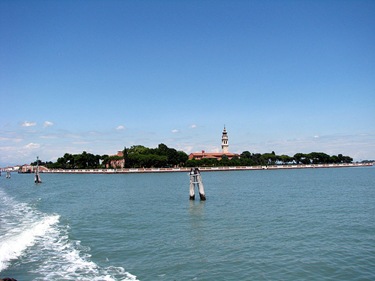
x: 40, y: 239
x: 68, y: 260
x: 12, y: 247
x: 20, y: 227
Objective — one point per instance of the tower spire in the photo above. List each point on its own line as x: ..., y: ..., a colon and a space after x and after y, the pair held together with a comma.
x: 224, y: 141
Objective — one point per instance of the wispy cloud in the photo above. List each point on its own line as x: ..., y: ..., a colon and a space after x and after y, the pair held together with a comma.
x: 11, y: 139
x: 193, y: 126
x: 80, y: 142
x: 32, y: 145
x: 48, y: 137
x: 186, y: 148
x: 28, y: 124
x: 47, y: 124
x: 120, y: 128
x: 174, y: 131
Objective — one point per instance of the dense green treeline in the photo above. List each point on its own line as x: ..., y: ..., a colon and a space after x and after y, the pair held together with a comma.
x: 254, y: 159
x: 139, y: 156
x: 76, y: 161
x: 135, y: 157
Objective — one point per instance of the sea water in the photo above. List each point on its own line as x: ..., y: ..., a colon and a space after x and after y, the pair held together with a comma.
x: 308, y: 224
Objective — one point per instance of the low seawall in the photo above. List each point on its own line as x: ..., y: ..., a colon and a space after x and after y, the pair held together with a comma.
x: 202, y: 169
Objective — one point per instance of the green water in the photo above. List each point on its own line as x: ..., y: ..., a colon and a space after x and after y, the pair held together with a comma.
x: 310, y: 224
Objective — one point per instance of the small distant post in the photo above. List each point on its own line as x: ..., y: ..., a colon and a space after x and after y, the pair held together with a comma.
x: 196, y: 180
x: 37, y: 178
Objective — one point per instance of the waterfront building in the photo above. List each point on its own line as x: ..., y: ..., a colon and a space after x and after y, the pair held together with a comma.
x: 31, y: 169
x: 215, y: 155
x: 116, y: 161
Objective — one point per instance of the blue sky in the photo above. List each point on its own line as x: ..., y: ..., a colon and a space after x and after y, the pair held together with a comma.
x: 95, y: 76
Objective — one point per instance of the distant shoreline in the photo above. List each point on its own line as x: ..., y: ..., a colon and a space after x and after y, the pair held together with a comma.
x: 202, y: 169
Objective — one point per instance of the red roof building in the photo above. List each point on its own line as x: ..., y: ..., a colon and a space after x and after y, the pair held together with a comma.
x: 215, y: 155
x: 117, y: 162
x: 212, y: 155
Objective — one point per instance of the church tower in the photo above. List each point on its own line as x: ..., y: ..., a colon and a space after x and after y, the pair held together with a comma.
x: 224, y: 141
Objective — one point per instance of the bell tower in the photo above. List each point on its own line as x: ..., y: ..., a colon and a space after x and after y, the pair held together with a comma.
x: 224, y: 141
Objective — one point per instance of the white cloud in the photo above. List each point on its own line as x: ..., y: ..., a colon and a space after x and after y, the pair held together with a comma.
x: 47, y: 124
x: 32, y: 145
x: 28, y: 124
x: 120, y: 127
x: 175, y: 131
x: 193, y: 126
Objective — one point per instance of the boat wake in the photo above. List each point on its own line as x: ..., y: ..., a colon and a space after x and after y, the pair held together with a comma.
x: 38, y: 242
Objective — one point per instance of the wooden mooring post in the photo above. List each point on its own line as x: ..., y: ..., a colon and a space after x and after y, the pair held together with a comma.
x: 196, y: 180
x: 37, y: 178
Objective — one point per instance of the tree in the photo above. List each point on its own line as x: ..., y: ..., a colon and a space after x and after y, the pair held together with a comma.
x: 245, y: 155
x: 301, y: 158
x: 105, y: 160
x: 319, y: 158
x: 162, y: 149
x: 269, y: 158
x: 258, y: 160
x: 235, y: 161
x: 224, y: 160
x: 182, y: 158
x: 126, y: 157
x: 193, y: 163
